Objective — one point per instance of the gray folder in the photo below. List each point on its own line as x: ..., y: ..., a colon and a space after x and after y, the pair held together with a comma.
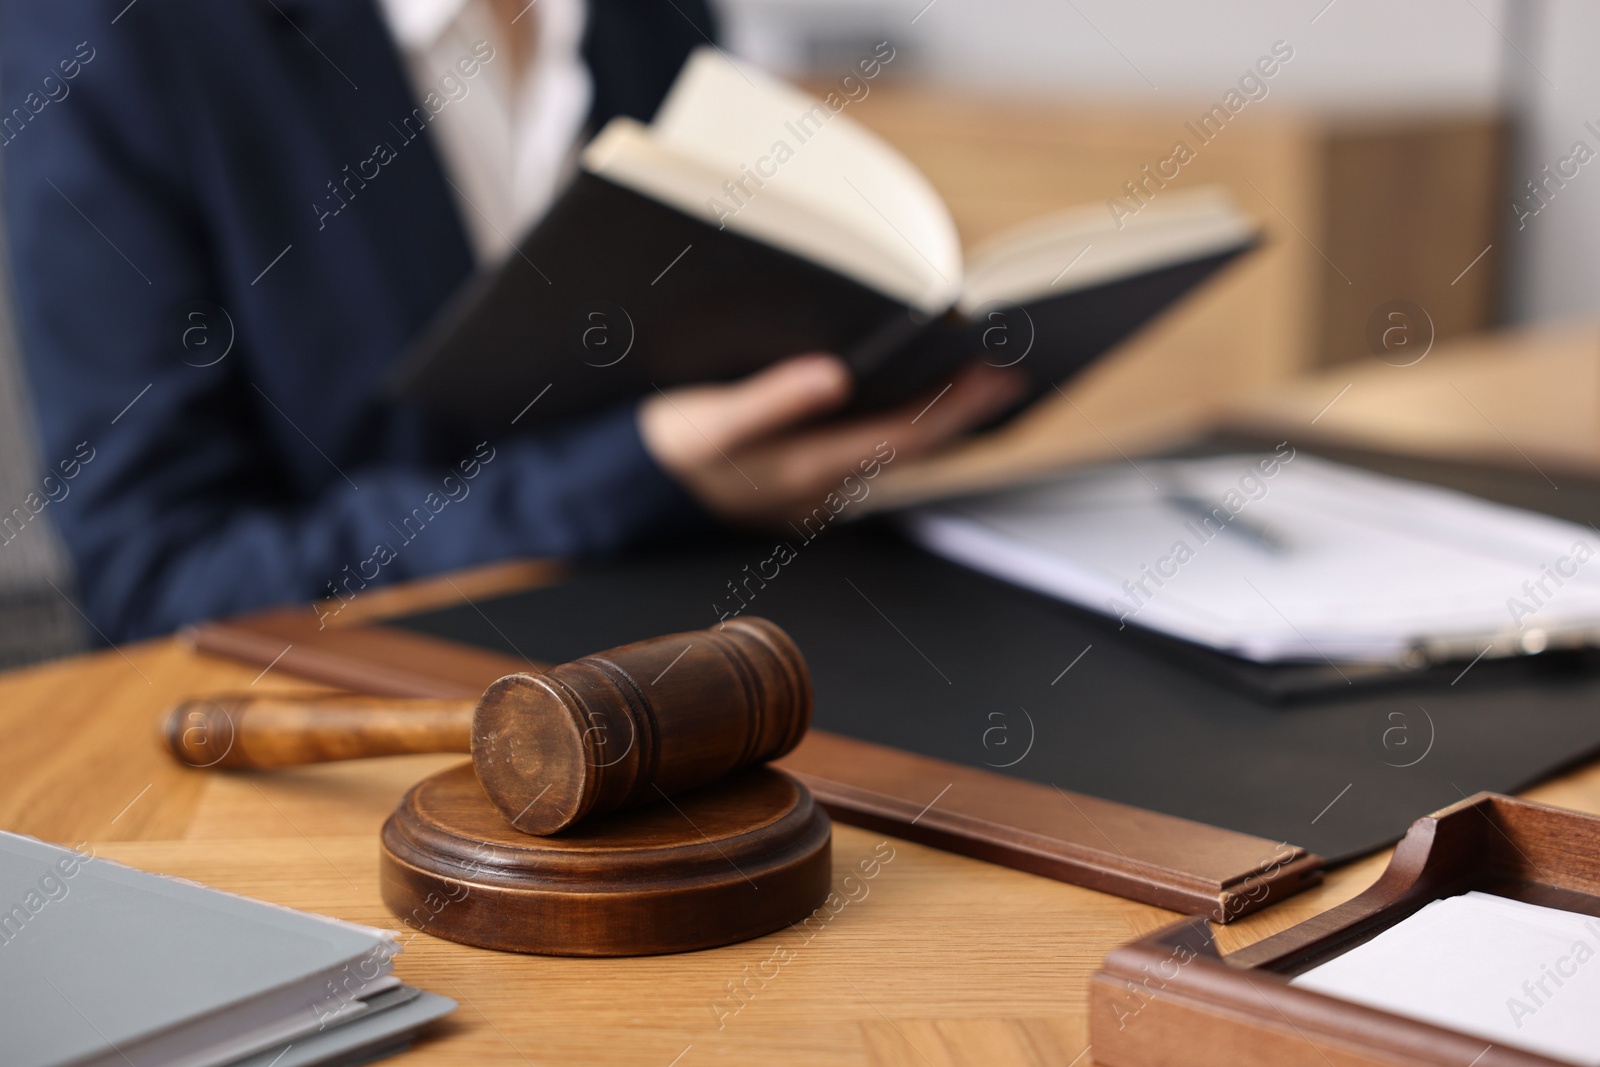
x: 104, y: 964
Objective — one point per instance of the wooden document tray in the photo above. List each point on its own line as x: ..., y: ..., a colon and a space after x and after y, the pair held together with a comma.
x: 1159, y: 859
x: 1171, y: 998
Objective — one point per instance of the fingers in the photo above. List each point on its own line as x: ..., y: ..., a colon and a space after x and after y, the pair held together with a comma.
x: 976, y: 395
x: 771, y: 400
x: 727, y: 445
x: 686, y: 427
x: 818, y: 457
x: 787, y: 393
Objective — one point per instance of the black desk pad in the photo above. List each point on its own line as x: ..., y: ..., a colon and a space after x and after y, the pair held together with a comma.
x: 910, y: 651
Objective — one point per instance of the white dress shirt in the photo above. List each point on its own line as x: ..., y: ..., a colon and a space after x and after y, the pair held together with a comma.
x: 507, y: 142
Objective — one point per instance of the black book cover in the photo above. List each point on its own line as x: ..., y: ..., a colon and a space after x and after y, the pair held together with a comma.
x: 1049, y: 339
x: 614, y: 294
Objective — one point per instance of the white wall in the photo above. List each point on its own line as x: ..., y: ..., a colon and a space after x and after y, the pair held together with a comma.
x: 1387, y: 52
x: 1555, y: 86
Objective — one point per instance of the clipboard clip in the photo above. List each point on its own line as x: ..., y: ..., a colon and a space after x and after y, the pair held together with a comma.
x: 1451, y: 648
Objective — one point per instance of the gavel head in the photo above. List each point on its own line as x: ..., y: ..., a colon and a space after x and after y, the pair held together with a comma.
x: 639, y: 723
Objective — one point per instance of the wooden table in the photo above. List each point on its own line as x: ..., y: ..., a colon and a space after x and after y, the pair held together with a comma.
x: 944, y: 961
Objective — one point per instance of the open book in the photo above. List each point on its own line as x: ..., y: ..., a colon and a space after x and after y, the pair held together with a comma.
x: 749, y: 222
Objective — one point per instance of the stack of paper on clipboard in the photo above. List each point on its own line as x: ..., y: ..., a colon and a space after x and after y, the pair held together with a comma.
x: 1284, y: 556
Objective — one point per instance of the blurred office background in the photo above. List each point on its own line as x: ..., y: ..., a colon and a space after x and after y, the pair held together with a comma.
x: 36, y: 619
x: 1384, y: 162
x: 1531, y: 61
x: 1389, y: 162
x: 1120, y: 51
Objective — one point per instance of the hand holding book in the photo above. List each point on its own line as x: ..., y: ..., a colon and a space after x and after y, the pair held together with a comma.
x: 751, y: 451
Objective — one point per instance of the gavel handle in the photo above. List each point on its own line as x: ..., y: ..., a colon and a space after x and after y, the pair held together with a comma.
x: 285, y: 730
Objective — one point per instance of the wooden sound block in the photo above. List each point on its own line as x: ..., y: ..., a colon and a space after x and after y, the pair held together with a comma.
x: 727, y: 862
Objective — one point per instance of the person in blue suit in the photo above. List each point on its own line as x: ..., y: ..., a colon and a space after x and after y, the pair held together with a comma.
x: 208, y: 347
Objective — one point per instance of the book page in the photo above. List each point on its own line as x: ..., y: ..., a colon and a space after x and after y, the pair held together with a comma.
x: 741, y: 149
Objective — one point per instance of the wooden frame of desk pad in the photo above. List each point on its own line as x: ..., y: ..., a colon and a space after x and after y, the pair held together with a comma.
x: 1171, y: 997
x: 1154, y: 858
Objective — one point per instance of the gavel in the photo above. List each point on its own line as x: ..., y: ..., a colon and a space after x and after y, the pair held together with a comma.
x: 613, y: 730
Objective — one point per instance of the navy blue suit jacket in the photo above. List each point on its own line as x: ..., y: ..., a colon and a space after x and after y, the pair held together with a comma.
x: 207, y: 346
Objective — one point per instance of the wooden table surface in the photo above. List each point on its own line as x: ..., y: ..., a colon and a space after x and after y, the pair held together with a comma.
x: 944, y: 961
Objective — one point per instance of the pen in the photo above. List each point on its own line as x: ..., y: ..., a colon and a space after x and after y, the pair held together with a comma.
x: 1184, y: 501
